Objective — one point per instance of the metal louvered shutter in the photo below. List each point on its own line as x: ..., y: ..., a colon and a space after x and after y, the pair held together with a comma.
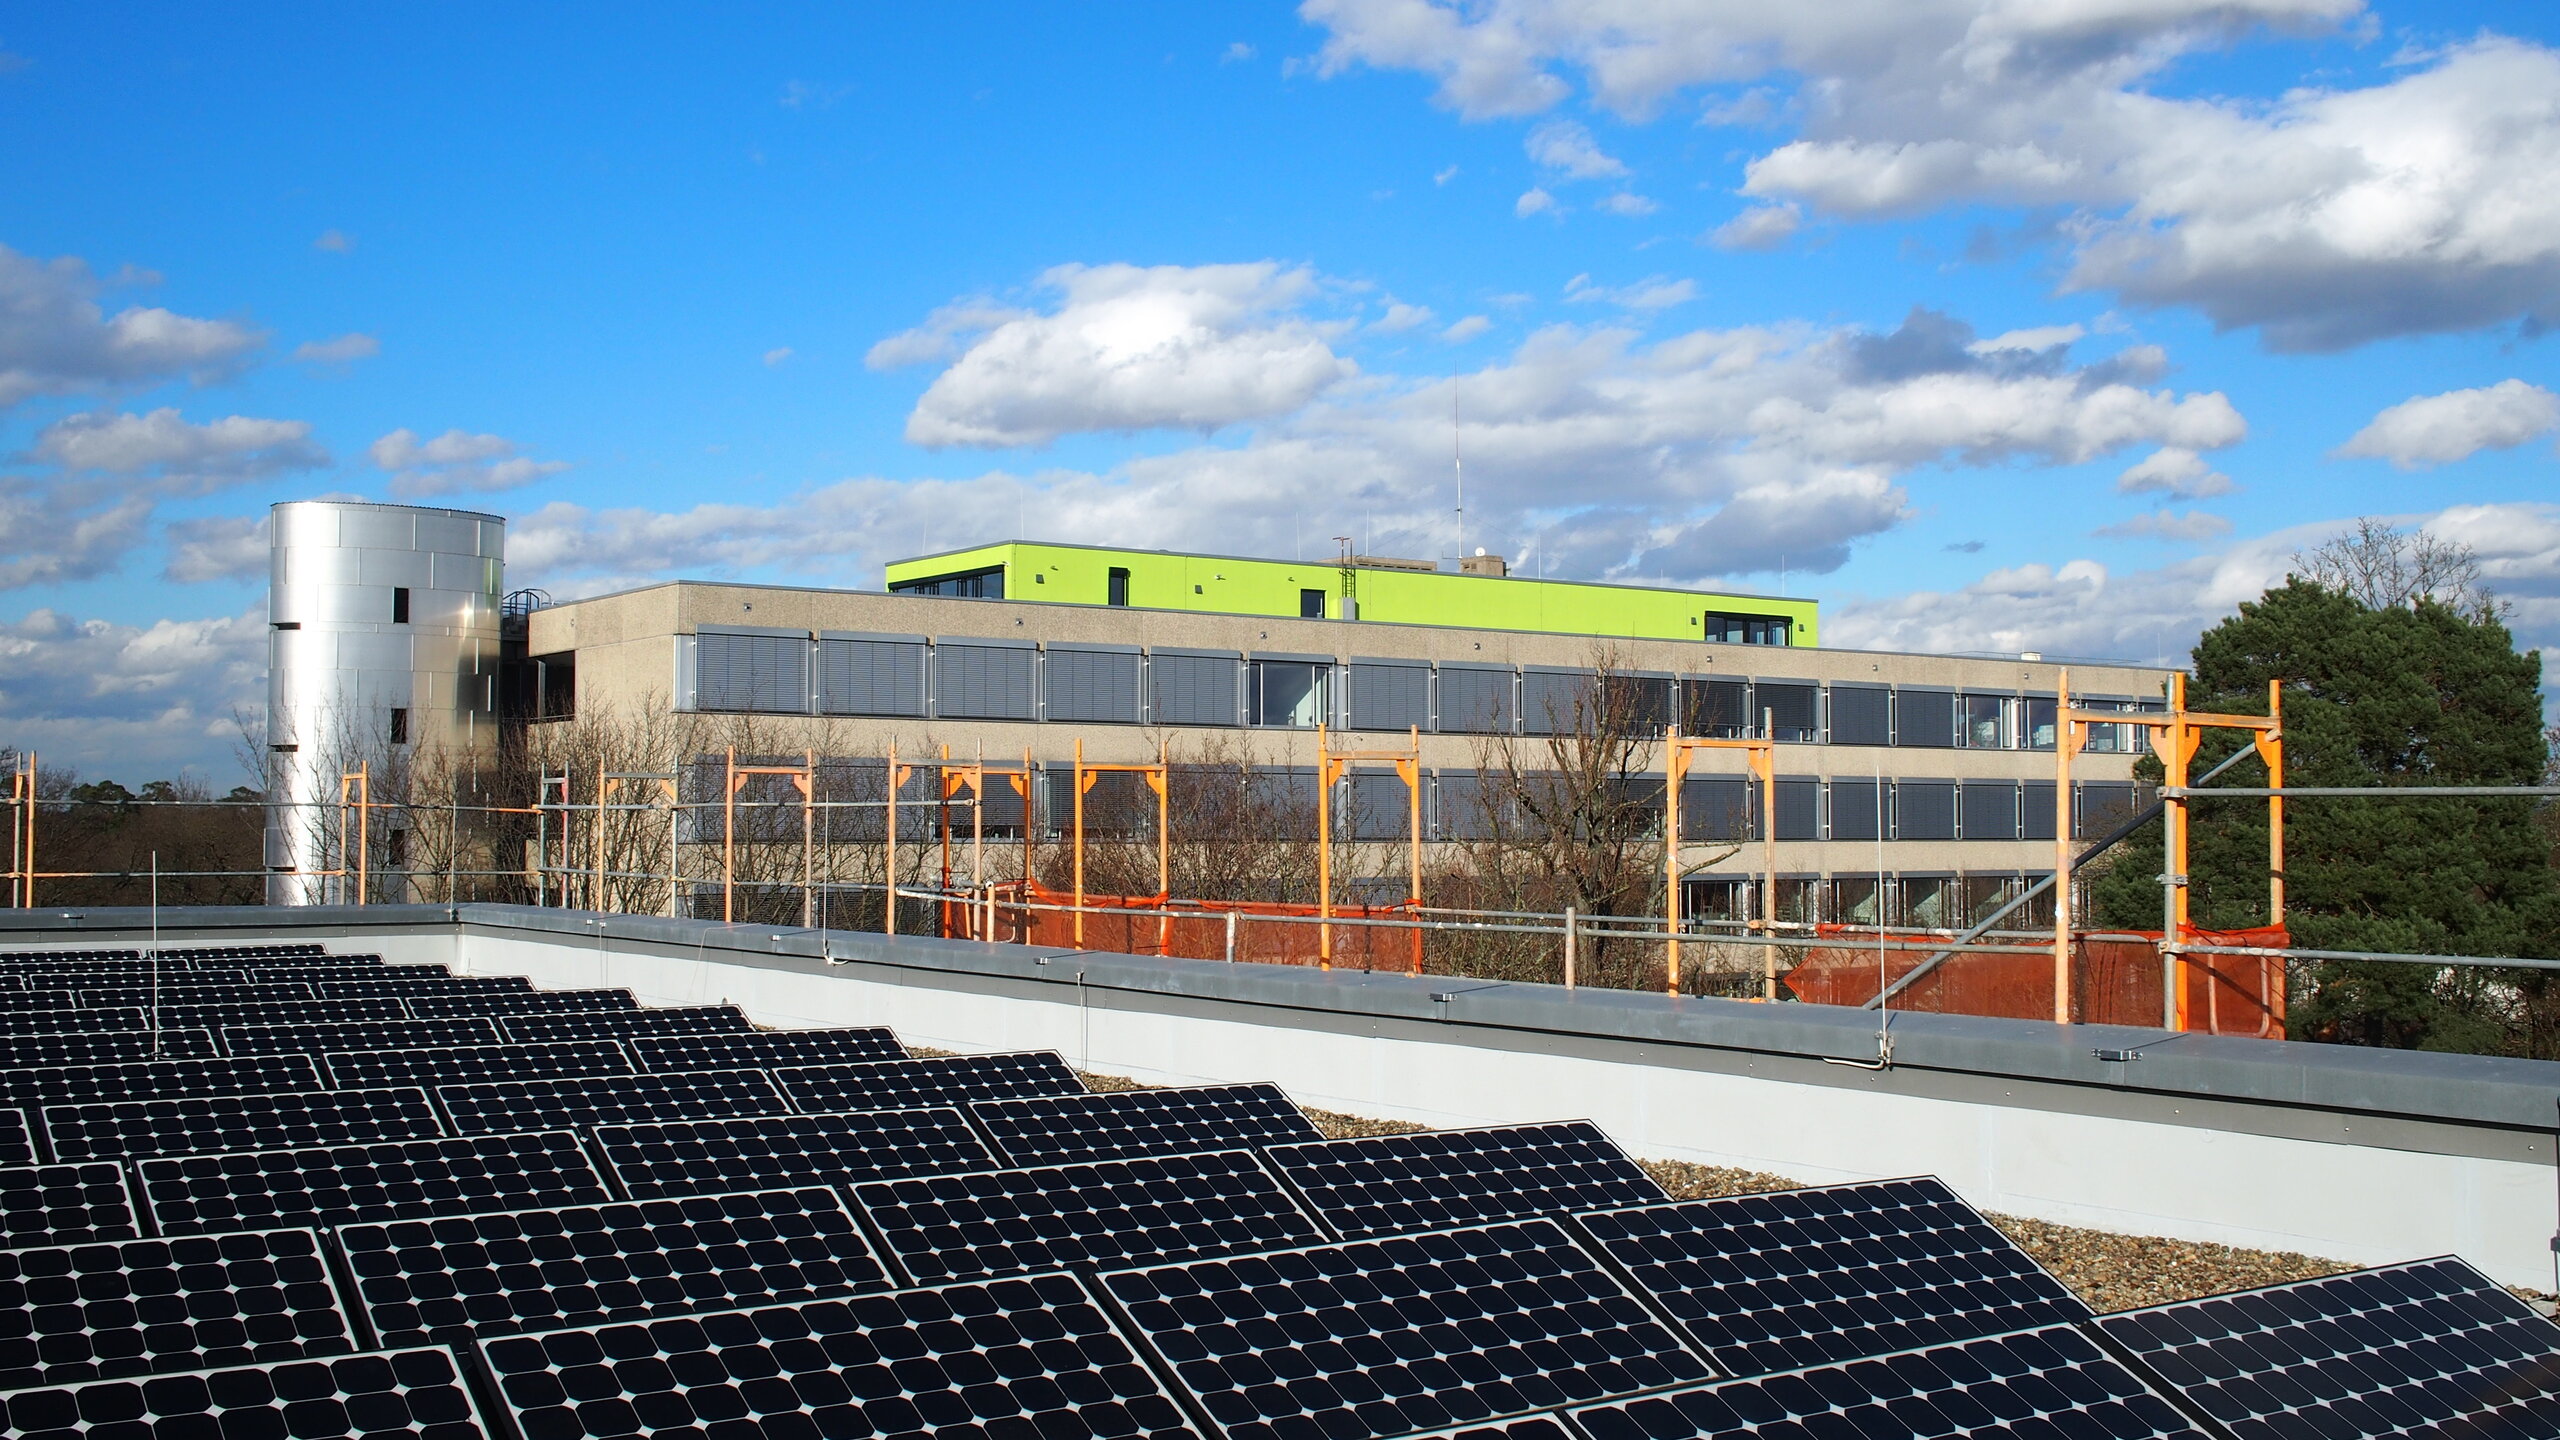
x: 1718, y: 709
x: 984, y: 682
x: 1861, y: 715
x: 2035, y: 810
x: 1390, y: 696
x: 1794, y: 709
x: 871, y: 677
x: 1194, y: 689
x: 1924, y: 810
x: 1991, y: 809
x: 1855, y: 814
x: 1716, y: 807
x: 1475, y: 700
x: 1091, y: 685
x: 1556, y: 702
x: 764, y: 673
x: 1924, y: 718
x: 1799, y: 809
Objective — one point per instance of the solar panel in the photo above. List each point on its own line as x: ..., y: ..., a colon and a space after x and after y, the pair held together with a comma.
x: 41, y: 1000
x: 1806, y: 1277
x: 1108, y: 1215
x: 532, y: 1002
x: 1393, y: 1184
x: 766, y: 1049
x: 65, y: 1204
x: 464, y: 1063
x: 941, y: 1080
x: 772, y: 1152
x: 235, y: 1015
x: 167, y: 997
x: 341, y: 1185
x: 17, y: 1142
x: 63, y: 1022
x: 614, y: 1024
x: 401, y: 984
x: 1382, y: 1337
x: 1012, y: 1359
x: 98, y: 1047
x: 34, y: 957
x: 494, y: 1106
x: 1525, y: 1427
x: 263, y: 950
x: 1055, y: 1129
x: 399, y: 1395
x: 291, y: 1120
x: 503, y: 1274
x: 2053, y: 1382
x: 2428, y: 1348
x: 143, y: 1079
x: 133, y: 1307
x: 361, y: 1035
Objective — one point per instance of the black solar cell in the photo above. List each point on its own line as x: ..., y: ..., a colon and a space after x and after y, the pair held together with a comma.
x: 462, y: 1063
x: 615, y: 1024
x: 1055, y: 1129
x: 362, y: 1035
x: 168, y: 977
x: 41, y: 957
x: 2053, y: 1383
x: 1526, y: 1427
x: 1010, y: 1359
x: 65, y: 1205
x: 491, y: 1275
x: 530, y: 1002
x: 170, y: 997
x: 291, y: 1120
x: 2428, y: 1348
x: 99, y: 1047
x: 401, y: 984
x: 143, y: 1079
x: 133, y: 1307
x: 75, y: 1019
x: 1110, y: 1214
x: 1383, y: 1337
x: 773, y: 1152
x: 1806, y: 1277
x: 941, y: 1080
x: 17, y: 1142
x: 399, y: 1395
x: 234, y: 1016
x: 341, y: 1185
x: 766, y: 1049
x: 45, y: 1000
x: 496, y: 1106
x: 1395, y: 1184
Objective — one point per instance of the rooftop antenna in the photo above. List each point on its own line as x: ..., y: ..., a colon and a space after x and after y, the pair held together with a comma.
x: 1458, y: 463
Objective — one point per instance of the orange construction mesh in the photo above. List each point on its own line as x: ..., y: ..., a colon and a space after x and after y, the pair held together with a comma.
x: 1196, y: 930
x: 2113, y: 982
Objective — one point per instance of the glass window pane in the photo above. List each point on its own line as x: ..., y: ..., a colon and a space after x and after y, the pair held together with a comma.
x: 2040, y: 722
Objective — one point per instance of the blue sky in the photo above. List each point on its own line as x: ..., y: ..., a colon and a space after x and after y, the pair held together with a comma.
x: 782, y: 292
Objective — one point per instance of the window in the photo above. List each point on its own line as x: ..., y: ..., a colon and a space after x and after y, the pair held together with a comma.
x: 1981, y: 722
x: 1288, y: 694
x: 871, y: 677
x: 1749, y: 629
x: 1193, y: 689
x: 1861, y: 715
x: 964, y: 585
x: 2037, y: 720
x: 396, y: 849
x: 1924, y: 718
x: 751, y: 672
x: 399, y: 726
x: 1117, y: 590
x: 399, y: 604
x: 1310, y: 604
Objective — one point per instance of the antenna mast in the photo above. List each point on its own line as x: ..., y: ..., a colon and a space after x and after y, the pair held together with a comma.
x: 1458, y: 463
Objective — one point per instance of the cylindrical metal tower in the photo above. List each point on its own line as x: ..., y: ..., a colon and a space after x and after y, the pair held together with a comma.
x: 382, y: 643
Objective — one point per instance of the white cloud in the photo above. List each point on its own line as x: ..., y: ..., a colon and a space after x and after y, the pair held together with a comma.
x: 1654, y: 292
x: 455, y: 461
x: 2172, y: 470
x: 2190, y: 528
x: 1401, y: 317
x: 1466, y: 329
x: 945, y: 333
x: 1628, y: 204
x: 1135, y: 348
x: 777, y: 355
x: 1762, y: 227
x: 1535, y: 201
x: 343, y: 350
x: 336, y: 242
x: 220, y: 547
x: 1568, y: 149
x: 55, y: 338
x: 180, y: 456
x: 1444, y: 176
x: 1236, y: 53
x: 54, y: 533
x: 134, y: 702
x: 2429, y: 430
x: 2038, y: 337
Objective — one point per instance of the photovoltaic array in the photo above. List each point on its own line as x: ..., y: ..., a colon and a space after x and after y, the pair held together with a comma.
x: 615, y: 1024
x: 141, y: 1079
x: 341, y: 1185
x: 532, y: 1002
x: 497, y: 1106
x: 367, y: 1035
x: 17, y: 1142
x: 765, y: 1049
x: 940, y: 1080
x: 1049, y: 1130
x: 780, y: 1151
x: 97, y: 1047
x: 560, y: 1059
x: 65, y: 1204
x: 1394, y: 1184
x: 112, y: 1129
x: 133, y: 1307
x: 400, y: 1395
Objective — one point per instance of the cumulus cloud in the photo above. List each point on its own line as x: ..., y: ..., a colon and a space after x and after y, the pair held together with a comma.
x: 1628, y: 204
x: 55, y: 338
x: 181, y: 457
x: 1466, y: 329
x: 2195, y: 525
x: 1131, y: 348
x: 2173, y: 470
x: 1654, y: 292
x: 1535, y: 201
x: 944, y: 333
x: 51, y: 533
x: 132, y: 701
x: 1568, y: 149
x: 2429, y: 430
x: 344, y: 350
x: 1762, y: 227
x: 456, y: 461
x: 219, y: 547
x: 777, y: 355
x: 1401, y: 317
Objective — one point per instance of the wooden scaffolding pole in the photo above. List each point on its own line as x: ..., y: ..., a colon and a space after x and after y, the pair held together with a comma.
x: 1761, y: 755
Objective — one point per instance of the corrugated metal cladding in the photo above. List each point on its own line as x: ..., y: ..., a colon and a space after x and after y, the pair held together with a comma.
x: 751, y: 672
x: 1717, y: 709
x: 1924, y: 810
x: 1856, y: 813
x: 871, y: 677
x: 1390, y: 695
x: 1195, y: 689
x: 1552, y: 701
x: 1991, y: 810
x: 1861, y: 715
x: 1476, y: 700
x: 1091, y: 684
x: 985, y: 682
x: 1925, y: 718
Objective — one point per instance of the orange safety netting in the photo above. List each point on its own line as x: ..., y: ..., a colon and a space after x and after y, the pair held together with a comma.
x: 2113, y: 981
x: 1269, y: 932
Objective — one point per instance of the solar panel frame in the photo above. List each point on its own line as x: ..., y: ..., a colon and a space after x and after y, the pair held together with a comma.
x: 2053, y: 1380
x: 927, y: 1082
x: 1084, y: 1217
x: 560, y: 1059
x: 139, y: 1307
x: 1793, y: 1278
x: 531, y: 1002
x: 103, y: 1047
x: 767, y: 1049
x: 282, y: 1012
x: 396, y: 1395
x: 143, y: 1079
x: 1010, y: 1358
x: 2427, y: 1347
x: 1436, y: 1179
x: 282, y: 1120
x: 328, y: 1186
x: 17, y: 1141
x: 456, y: 1278
x: 619, y: 1024
x: 777, y: 1152
x: 383, y: 1035
x: 71, y: 1204
x: 76, y: 1021
x: 585, y: 1101
x: 401, y: 986
x: 1120, y: 1125
x: 1371, y: 1338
